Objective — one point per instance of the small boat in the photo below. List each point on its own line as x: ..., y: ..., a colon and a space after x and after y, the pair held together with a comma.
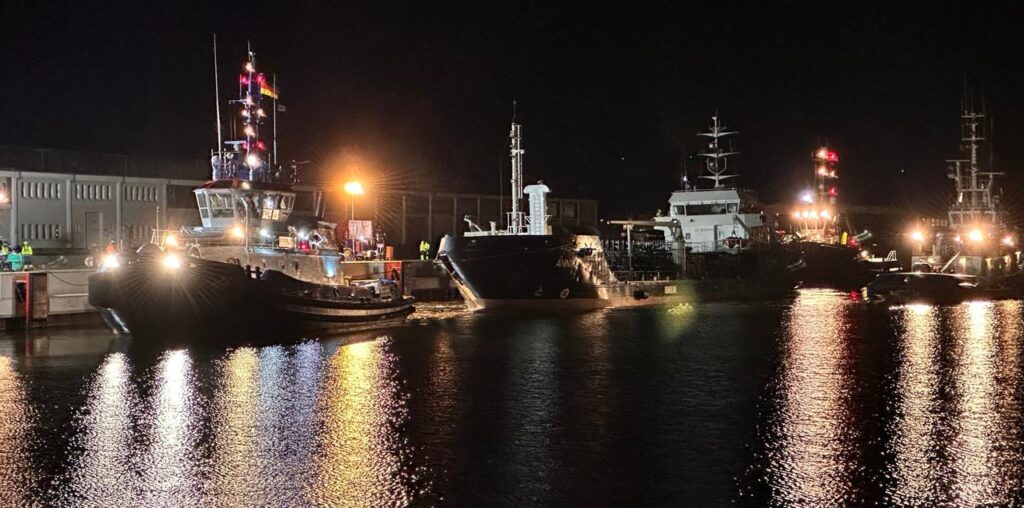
x: 923, y: 287
x: 254, y: 266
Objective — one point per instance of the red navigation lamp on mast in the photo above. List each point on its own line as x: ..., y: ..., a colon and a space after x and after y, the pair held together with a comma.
x: 826, y: 162
x: 816, y: 218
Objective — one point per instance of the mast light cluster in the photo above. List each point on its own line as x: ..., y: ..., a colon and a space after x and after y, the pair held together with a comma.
x: 816, y: 214
x: 247, y: 158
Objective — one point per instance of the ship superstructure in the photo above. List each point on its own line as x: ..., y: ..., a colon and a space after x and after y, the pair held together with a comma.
x: 721, y: 218
x: 519, y: 223
x: 976, y: 238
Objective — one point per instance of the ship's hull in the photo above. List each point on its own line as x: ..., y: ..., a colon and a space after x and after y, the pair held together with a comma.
x: 837, y: 266
x: 570, y: 272
x: 213, y: 301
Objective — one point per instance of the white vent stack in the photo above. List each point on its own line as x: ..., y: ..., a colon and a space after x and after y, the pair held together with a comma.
x: 537, y: 221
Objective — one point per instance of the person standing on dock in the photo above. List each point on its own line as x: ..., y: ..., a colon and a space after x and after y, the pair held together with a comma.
x: 26, y: 252
x: 424, y: 250
x: 15, y: 260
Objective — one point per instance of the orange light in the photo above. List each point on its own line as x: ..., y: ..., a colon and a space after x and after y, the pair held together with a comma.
x: 917, y: 236
x: 354, y: 188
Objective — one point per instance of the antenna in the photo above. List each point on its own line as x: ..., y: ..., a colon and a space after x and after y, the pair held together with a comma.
x: 216, y: 94
x: 516, y: 153
x: 684, y: 178
x: 274, y: 85
x: 716, y: 159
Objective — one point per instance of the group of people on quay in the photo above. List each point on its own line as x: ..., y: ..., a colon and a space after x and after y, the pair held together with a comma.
x: 16, y: 258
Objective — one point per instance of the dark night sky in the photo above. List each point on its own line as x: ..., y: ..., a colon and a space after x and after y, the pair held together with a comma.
x: 420, y: 95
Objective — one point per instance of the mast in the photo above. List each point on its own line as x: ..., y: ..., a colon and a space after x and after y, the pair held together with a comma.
x: 975, y: 201
x: 826, y: 162
x: 716, y: 159
x: 216, y: 94
x: 252, y: 86
x: 274, y: 86
x: 516, y: 153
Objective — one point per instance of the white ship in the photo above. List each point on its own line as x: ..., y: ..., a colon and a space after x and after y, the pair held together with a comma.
x: 721, y: 218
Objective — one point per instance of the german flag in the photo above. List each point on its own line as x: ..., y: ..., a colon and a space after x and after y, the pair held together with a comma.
x: 268, y: 90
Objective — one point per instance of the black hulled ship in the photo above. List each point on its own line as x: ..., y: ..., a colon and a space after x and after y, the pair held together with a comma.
x: 254, y: 266
x: 530, y: 264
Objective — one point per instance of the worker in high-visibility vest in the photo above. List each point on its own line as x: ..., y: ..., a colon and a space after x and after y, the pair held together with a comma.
x: 424, y: 250
x: 26, y: 252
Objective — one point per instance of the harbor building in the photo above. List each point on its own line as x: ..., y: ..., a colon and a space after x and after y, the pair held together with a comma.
x: 70, y: 201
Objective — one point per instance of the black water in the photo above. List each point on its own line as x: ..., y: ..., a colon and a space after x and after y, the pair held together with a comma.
x: 819, y: 400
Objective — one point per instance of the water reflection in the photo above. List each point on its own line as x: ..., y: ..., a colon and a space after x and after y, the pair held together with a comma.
x: 16, y: 471
x: 918, y: 427
x: 103, y: 472
x: 532, y: 401
x: 167, y: 467
x: 983, y: 449
x: 957, y: 429
x: 364, y: 458
x: 233, y: 479
x: 810, y: 449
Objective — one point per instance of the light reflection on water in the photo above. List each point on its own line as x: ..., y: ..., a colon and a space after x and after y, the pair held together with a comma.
x: 363, y: 459
x: 819, y: 401
x: 285, y: 427
x: 810, y: 452
x: 16, y: 469
x: 959, y: 416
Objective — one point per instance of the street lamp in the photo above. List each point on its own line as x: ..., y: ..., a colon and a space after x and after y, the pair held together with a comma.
x: 353, y: 189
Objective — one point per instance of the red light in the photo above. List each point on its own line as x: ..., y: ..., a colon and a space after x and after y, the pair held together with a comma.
x: 261, y: 145
x: 243, y: 79
x: 854, y: 295
x: 260, y: 78
x: 833, y: 157
x: 832, y: 191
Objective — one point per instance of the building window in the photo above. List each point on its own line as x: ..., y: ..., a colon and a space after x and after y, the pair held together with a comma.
x: 41, y: 190
x: 140, y: 193
x: 92, y: 192
x: 40, y: 232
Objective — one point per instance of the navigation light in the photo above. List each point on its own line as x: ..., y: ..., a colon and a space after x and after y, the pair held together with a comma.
x: 172, y: 262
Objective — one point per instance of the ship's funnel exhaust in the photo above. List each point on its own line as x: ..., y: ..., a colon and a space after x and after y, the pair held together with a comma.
x: 537, y: 221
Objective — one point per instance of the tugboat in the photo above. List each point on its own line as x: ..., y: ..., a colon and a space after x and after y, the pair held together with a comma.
x: 974, y: 242
x: 529, y: 265
x: 832, y: 252
x: 253, y: 266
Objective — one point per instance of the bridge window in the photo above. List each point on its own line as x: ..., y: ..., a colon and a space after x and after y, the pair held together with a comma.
x: 712, y: 209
